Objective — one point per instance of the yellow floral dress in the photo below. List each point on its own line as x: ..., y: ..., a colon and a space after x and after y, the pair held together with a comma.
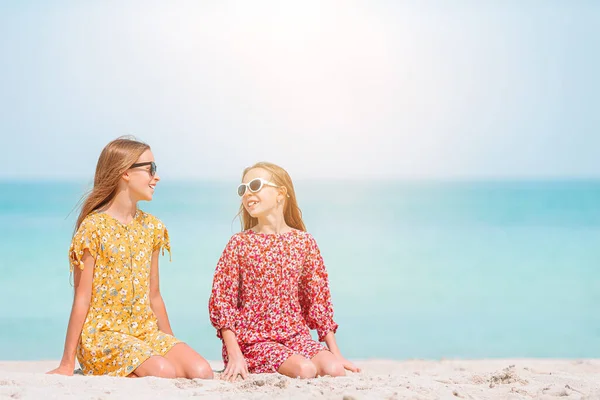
x: 120, y: 331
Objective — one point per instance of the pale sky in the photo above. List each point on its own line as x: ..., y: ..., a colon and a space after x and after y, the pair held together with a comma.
x: 327, y: 89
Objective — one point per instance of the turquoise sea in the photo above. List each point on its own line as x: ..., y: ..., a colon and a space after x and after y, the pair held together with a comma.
x: 417, y: 269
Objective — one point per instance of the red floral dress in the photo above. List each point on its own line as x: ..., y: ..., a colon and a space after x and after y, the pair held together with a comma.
x: 270, y: 290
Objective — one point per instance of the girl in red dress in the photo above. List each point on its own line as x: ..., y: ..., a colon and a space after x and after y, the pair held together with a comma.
x: 270, y: 287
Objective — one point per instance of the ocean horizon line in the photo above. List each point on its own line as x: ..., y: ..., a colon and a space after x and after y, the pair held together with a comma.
x: 378, y: 179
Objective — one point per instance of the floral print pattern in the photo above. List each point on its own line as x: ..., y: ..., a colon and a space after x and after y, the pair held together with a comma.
x: 267, y: 357
x: 270, y: 290
x: 120, y: 331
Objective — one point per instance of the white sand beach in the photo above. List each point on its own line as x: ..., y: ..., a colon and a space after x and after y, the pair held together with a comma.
x: 380, y: 379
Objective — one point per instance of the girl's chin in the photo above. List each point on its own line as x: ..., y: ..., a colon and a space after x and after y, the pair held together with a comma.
x: 145, y: 196
x: 253, y: 213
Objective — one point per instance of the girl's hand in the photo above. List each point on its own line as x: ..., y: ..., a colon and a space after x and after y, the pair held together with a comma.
x: 333, y: 347
x: 63, y: 369
x: 347, y: 364
x: 236, y: 366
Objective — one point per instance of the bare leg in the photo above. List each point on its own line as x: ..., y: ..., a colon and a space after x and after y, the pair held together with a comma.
x: 156, y: 366
x: 298, y: 367
x: 328, y: 364
x: 188, y: 363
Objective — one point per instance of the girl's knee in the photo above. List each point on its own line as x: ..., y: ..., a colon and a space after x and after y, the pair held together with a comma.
x: 297, y: 366
x: 332, y: 368
x: 306, y: 370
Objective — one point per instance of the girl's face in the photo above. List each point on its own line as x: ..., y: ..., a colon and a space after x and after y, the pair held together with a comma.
x: 143, y: 177
x: 267, y: 200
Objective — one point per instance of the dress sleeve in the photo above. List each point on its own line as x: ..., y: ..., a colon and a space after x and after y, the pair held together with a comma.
x: 223, y: 302
x: 86, y: 238
x: 314, y: 294
x: 161, y: 238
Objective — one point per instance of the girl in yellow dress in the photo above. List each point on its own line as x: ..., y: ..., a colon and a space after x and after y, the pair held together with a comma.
x: 119, y: 324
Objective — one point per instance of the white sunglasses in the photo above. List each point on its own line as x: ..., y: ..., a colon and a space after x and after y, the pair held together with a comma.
x: 255, y: 185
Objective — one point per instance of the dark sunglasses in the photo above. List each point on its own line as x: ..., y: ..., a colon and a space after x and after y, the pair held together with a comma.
x: 255, y: 185
x: 152, y: 165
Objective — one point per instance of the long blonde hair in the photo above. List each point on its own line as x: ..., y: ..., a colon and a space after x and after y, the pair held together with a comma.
x: 291, y: 212
x: 116, y: 158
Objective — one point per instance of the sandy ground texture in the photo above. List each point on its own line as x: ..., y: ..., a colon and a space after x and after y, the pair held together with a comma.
x: 380, y: 379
